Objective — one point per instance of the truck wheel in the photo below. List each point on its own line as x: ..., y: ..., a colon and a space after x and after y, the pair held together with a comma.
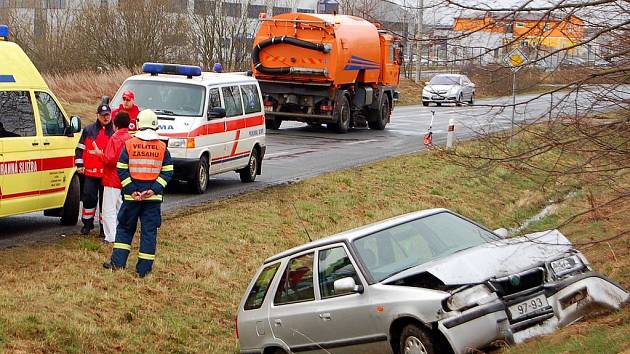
x: 199, y: 185
x: 248, y: 173
x: 415, y: 340
x: 70, y: 210
x: 382, y: 116
x: 273, y: 124
x: 342, y: 115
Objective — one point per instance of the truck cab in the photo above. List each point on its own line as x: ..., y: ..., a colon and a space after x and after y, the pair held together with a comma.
x: 37, y: 141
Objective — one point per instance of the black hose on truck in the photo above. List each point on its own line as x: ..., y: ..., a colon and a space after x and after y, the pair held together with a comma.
x: 324, y: 48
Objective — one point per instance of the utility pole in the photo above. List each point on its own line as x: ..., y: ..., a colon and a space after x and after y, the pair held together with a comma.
x: 419, y: 15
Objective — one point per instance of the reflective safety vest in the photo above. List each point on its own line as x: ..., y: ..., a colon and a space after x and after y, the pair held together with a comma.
x: 145, y: 158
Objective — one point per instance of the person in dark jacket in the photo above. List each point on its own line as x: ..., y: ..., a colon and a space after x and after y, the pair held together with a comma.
x: 111, y: 183
x: 93, y: 139
x: 128, y: 105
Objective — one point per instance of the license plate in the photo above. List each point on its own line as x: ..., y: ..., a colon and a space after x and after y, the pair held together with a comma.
x: 527, y: 307
x: 437, y: 97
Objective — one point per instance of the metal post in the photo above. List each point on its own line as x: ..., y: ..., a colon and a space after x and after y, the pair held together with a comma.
x: 419, y: 15
x: 450, y: 133
x: 513, y: 100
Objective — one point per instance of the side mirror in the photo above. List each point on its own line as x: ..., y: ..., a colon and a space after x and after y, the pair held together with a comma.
x: 347, y: 285
x: 502, y: 232
x: 75, y: 125
x: 216, y: 112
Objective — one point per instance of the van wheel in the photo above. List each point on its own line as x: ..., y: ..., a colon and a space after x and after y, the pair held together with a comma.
x: 248, y: 174
x: 415, y: 340
x: 70, y: 210
x: 381, y: 116
x: 342, y: 116
x: 273, y: 124
x: 200, y: 184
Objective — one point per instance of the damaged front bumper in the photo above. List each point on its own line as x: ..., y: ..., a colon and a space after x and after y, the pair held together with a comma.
x: 567, y: 300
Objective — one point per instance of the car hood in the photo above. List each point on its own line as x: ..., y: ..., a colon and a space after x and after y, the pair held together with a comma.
x: 496, y: 259
x: 433, y: 88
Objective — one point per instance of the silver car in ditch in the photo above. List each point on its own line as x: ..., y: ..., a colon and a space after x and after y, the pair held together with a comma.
x: 425, y: 282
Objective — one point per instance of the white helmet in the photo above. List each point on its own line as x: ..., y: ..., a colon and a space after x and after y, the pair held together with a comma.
x: 147, y: 119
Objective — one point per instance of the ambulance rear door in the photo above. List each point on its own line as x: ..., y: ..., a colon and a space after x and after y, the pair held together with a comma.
x: 58, y: 146
x: 21, y: 182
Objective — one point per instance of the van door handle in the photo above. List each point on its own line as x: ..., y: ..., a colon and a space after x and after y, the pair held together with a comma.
x: 277, y: 323
x: 325, y: 316
x: 35, y: 144
x: 46, y: 143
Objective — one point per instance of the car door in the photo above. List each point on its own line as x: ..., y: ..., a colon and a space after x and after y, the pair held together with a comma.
x: 216, y: 139
x: 57, y: 149
x: 22, y: 153
x: 346, y: 320
x: 235, y: 124
x: 294, y: 312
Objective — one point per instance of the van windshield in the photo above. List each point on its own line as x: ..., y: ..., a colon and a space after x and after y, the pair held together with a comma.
x: 165, y: 98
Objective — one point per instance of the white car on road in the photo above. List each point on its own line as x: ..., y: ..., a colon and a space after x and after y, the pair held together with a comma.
x: 448, y: 88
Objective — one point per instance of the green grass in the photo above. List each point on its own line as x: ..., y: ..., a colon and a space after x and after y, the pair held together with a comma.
x: 57, y: 298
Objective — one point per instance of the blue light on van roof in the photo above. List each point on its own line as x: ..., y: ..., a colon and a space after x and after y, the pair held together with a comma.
x: 4, y: 31
x: 174, y: 69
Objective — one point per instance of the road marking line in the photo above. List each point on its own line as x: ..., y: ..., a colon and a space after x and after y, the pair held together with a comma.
x: 362, y: 142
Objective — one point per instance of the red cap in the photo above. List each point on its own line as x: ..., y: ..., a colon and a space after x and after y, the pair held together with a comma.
x: 129, y: 94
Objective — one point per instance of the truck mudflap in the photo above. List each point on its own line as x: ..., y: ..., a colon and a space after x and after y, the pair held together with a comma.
x: 570, y: 300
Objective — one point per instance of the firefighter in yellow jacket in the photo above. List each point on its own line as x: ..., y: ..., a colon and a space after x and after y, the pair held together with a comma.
x: 144, y: 168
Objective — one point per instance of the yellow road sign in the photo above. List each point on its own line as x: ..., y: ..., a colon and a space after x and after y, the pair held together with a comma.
x: 515, y: 59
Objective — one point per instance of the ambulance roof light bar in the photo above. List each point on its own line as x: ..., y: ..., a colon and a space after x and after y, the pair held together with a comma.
x: 4, y: 32
x: 174, y: 69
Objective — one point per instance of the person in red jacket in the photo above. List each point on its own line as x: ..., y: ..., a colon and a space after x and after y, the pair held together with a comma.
x: 128, y: 105
x: 111, y: 183
x: 93, y: 138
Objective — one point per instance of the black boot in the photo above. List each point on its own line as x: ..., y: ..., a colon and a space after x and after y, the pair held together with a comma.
x: 88, y: 225
x: 110, y: 265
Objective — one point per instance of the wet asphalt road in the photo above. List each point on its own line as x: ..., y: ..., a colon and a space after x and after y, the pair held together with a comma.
x: 297, y: 151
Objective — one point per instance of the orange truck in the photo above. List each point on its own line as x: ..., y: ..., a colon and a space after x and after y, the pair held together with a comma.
x: 337, y: 70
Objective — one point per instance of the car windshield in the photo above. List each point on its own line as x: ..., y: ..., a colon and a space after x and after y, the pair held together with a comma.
x: 407, y: 245
x: 445, y: 80
x: 165, y: 98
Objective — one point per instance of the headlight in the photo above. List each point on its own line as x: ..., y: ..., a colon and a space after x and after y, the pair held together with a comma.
x: 177, y: 143
x: 566, y: 265
x: 468, y: 298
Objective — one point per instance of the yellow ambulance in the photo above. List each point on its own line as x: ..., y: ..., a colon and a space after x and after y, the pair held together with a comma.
x: 37, y: 142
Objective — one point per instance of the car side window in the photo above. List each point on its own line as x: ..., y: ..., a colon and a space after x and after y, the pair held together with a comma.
x: 233, y: 104
x: 50, y: 115
x: 334, y: 264
x: 251, y: 98
x: 16, y: 114
x: 257, y: 295
x: 214, y: 98
x: 296, y: 284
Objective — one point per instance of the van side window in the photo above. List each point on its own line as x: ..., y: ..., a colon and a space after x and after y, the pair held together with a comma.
x: 232, y: 99
x: 16, y: 114
x: 251, y: 99
x: 214, y: 98
x: 334, y: 264
x: 53, y: 122
x: 296, y: 284
x: 257, y: 295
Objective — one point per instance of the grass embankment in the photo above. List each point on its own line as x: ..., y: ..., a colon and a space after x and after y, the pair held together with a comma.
x: 57, y: 298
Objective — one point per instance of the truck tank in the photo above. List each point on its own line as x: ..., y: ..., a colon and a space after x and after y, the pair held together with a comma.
x: 334, y: 49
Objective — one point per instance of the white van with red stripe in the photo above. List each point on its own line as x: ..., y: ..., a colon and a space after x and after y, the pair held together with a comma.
x: 214, y: 122
x: 37, y: 142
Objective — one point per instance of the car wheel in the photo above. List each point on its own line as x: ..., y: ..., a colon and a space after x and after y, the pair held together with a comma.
x: 200, y: 184
x: 460, y: 99
x: 472, y: 99
x: 424, y: 103
x: 248, y: 174
x: 278, y: 351
x: 342, y: 115
x: 70, y: 210
x: 273, y: 124
x: 438, y: 104
x: 382, y: 116
x: 415, y: 340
